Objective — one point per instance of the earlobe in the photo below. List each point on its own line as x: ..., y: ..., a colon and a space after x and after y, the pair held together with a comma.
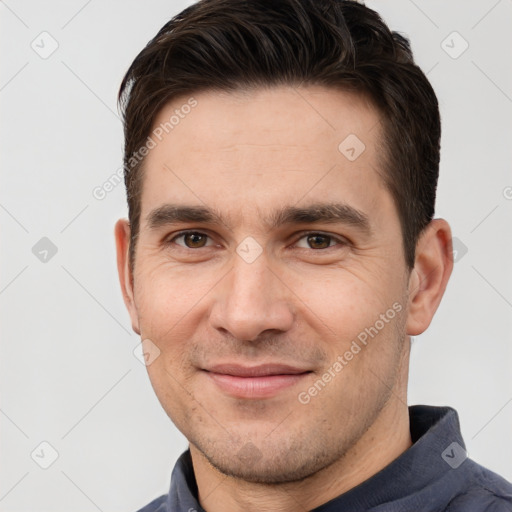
x: 122, y: 238
x: 429, y: 278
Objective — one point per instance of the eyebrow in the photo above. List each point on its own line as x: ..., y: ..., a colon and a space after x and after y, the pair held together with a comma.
x: 330, y: 213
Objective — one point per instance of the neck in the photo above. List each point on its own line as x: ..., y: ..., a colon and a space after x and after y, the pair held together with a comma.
x: 383, y: 442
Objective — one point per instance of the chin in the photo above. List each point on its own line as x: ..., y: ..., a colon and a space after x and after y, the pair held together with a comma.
x: 283, y: 461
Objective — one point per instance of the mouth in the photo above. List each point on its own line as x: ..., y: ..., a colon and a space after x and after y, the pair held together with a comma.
x: 255, y: 382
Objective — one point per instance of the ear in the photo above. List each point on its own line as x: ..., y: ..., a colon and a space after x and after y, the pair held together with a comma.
x: 432, y: 269
x: 122, y: 236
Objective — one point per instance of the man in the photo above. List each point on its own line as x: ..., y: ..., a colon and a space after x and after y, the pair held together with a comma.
x: 281, y: 163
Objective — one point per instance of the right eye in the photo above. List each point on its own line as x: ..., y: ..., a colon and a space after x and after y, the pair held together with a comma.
x: 191, y: 239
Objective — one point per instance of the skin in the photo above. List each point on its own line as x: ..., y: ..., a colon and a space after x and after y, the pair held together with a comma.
x: 301, y: 302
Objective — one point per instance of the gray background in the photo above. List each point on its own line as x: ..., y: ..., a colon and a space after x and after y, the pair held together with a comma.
x: 68, y: 373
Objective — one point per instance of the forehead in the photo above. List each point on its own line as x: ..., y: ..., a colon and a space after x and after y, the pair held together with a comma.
x: 253, y: 151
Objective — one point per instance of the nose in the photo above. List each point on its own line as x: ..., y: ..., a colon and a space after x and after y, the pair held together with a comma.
x: 252, y: 299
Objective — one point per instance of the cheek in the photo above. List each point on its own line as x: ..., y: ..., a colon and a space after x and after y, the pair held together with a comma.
x: 169, y: 298
x: 362, y: 365
x: 341, y: 303
x: 173, y: 391
x: 169, y: 307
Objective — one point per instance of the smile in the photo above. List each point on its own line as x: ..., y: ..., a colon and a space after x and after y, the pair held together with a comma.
x: 255, y: 382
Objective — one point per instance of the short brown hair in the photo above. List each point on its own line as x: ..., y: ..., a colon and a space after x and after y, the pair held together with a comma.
x: 239, y: 44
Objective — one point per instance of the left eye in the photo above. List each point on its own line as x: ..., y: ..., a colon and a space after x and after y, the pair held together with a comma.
x: 319, y: 241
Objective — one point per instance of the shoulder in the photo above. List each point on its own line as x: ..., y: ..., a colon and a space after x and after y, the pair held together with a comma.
x: 485, y: 491
x: 157, y: 505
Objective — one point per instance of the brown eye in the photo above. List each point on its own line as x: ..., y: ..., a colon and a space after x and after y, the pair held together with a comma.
x: 319, y: 241
x: 195, y: 240
x: 191, y: 240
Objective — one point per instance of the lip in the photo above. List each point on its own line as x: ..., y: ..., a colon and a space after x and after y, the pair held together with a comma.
x: 255, y: 382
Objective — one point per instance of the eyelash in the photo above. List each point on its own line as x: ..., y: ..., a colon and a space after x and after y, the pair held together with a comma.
x: 340, y: 241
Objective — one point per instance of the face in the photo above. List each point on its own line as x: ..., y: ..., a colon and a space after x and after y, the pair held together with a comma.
x: 270, y: 278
